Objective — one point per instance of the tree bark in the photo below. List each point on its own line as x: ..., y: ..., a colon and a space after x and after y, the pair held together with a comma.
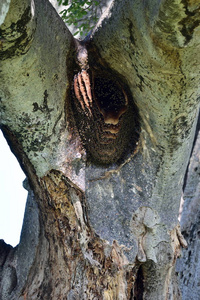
x: 188, y: 264
x: 101, y: 216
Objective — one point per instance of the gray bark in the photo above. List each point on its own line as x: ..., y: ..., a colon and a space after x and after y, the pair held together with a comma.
x: 105, y: 231
x: 188, y: 265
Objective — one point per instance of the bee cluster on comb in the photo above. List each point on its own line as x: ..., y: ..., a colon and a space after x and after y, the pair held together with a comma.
x: 105, y: 114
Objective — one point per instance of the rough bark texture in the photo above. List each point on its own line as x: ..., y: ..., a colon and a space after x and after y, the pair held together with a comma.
x: 94, y: 228
x: 188, y: 265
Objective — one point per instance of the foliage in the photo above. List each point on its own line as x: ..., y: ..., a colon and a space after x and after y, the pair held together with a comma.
x: 83, y: 14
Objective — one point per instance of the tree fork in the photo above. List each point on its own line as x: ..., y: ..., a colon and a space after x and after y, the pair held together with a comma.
x: 97, y: 228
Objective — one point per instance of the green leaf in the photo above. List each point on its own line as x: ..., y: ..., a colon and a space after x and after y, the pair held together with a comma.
x: 76, y: 32
x: 79, y: 13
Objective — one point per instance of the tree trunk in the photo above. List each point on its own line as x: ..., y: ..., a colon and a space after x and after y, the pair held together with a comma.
x: 103, y: 129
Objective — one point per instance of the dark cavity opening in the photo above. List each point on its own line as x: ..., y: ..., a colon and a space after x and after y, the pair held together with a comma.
x: 108, y: 124
x: 110, y: 98
x: 139, y: 285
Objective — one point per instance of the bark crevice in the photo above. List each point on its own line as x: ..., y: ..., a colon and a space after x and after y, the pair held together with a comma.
x: 139, y: 285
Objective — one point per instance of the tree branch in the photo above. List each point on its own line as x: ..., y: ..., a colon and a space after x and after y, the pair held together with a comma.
x: 17, y: 27
x: 177, y: 22
x: 33, y: 95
